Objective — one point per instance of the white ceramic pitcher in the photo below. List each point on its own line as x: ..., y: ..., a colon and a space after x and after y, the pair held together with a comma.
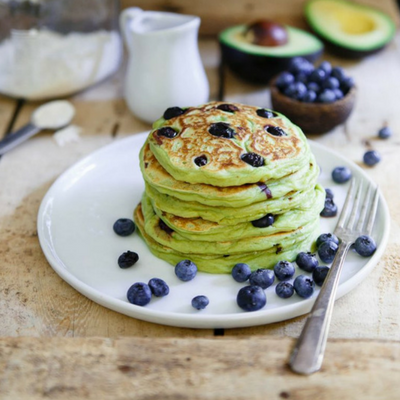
x: 164, y: 66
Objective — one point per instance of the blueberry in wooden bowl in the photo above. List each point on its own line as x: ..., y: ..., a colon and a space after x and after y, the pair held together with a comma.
x: 315, y: 98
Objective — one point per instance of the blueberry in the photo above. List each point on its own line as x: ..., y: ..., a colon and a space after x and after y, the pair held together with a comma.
x: 326, y: 66
x: 338, y: 73
x: 385, y: 132
x: 307, y: 261
x: 251, y: 298
x: 168, y: 132
x: 318, y: 75
x: 296, y: 90
x: 262, y: 112
x: 319, y: 274
x: 274, y: 130
x: 326, y: 237
x: 253, y: 159
x: 327, y: 251
x: 158, y: 287
x: 124, y: 227
x: 284, y: 290
x: 310, y: 97
x: 302, y: 77
x: 173, y: 112
x: 299, y: 64
x: 331, y: 83
x: 284, y: 270
x: 330, y: 209
x: 338, y: 94
x: 341, y: 174
x: 127, y: 259
x: 304, y: 286
x: 200, y: 302
x: 284, y: 80
x: 371, y: 158
x: 228, y: 108
x: 329, y: 193
x: 262, y: 277
x: 365, y: 246
x: 221, y: 129
x: 346, y: 84
x: 186, y: 270
x: 327, y: 96
x: 201, y: 160
x: 139, y: 293
x: 241, y: 272
x: 263, y: 222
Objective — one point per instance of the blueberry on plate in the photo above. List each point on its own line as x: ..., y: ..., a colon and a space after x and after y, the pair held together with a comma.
x: 139, y: 294
x: 319, y: 274
x: 341, y: 174
x: 284, y: 290
x: 284, y: 270
x: 241, y: 272
x: 326, y: 237
x: 371, y: 158
x: 365, y: 246
x: 330, y: 208
x: 124, y: 227
x: 262, y: 277
x: 304, y: 286
x: 263, y: 222
x: 251, y: 298
x: 327, y: 251
x: 329, y: 194
x: 186, y: 270
x: 127, y: 259
x: 307, y: 261
x: 385, y: 132
x: 158, y: 287
x: 200, y: 302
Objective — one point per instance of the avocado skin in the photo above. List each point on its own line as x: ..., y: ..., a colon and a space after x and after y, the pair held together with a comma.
x: 257, y: 68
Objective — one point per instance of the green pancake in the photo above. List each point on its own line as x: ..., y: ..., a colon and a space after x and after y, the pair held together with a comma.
x: 279, y: 145
x: 233, y: 196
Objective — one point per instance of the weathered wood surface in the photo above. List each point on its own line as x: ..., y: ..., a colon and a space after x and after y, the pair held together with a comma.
x: 218, y: 15
x: 143, y: 369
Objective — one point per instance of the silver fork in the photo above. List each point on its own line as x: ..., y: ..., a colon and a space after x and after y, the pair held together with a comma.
x: 353, y: 222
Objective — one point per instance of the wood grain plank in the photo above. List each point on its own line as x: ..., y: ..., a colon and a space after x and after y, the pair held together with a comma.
x: 8, y: 107
x: 218, y: 15
x: 249, y: 368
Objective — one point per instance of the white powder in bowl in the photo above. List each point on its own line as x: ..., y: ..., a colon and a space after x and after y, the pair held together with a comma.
x: 43, y: 64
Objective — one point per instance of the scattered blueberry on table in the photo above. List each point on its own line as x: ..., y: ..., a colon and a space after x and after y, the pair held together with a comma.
x: 341, y: 174
x: 124, y: 227
x: 307, y: 261
x: 365, y: 246
x: 284, y: 290
x: 371, y: 158
x: 319, y: 274
x: 200, y: 302
x: 241, y: 272
x: 186, y: 270
x: 385, y: 132
x: 158, y: 287
x: 139, y: 294
x: 251, y: 298
x: 284, y: 270
x: 262, y: 277
x: 128, y: 259
x: 304, y: 286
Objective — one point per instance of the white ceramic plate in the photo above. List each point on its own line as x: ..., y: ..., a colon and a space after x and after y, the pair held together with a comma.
x: 75, y: 230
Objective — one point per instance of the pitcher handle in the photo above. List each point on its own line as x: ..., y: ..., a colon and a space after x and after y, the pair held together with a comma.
x: 125, y: 17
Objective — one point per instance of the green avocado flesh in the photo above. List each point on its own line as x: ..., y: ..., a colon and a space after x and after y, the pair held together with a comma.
x: 205, y: 212
x: 350, y: 25
x: 300, y: 43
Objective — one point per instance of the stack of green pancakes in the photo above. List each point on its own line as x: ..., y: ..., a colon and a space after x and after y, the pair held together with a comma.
x: 227, y: 183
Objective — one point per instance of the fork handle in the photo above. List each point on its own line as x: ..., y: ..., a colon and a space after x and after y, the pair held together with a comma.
x: 308, y: 353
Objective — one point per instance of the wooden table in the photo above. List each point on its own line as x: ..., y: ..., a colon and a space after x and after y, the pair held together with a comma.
x: 55, y: 343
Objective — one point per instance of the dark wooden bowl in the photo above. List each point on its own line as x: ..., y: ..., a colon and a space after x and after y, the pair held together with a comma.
x: 313, y: 118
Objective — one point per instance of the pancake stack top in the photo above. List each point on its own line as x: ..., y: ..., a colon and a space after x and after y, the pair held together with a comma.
x: 228, y: 183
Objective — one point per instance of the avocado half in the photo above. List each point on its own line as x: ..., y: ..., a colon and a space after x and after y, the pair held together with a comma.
x: 259, y: 64
x: 351, y: 29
